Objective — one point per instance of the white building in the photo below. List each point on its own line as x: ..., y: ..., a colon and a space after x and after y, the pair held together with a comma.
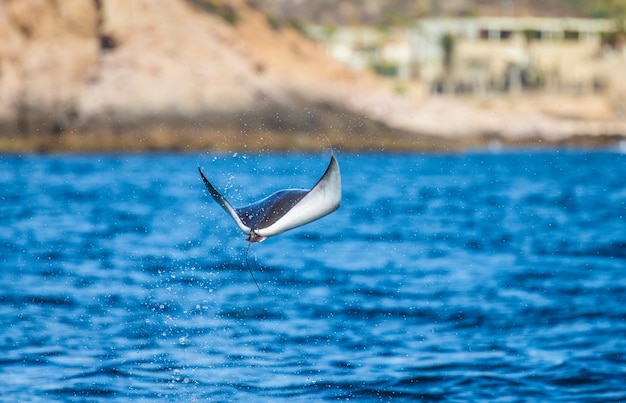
x: 487, y: 54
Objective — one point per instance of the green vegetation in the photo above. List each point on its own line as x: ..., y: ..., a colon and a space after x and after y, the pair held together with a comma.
x: 386, y: 69
x: 615, y: 9
x: 224, y: 10
x: 297, y: 26
x: 448, y: 46
x: 277, y: 25
x: 571, y: 35
x: 531, y: 34
x: 600, y: 8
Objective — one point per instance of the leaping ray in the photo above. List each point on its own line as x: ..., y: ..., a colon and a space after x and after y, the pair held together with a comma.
x: 285, y: 209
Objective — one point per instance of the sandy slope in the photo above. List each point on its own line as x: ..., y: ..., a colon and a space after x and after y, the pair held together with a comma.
x: 161, y: 74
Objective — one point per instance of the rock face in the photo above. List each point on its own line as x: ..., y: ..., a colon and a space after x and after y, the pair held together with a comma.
x: 189, y: 74
x: 46, y: 52
x: 172, y: 67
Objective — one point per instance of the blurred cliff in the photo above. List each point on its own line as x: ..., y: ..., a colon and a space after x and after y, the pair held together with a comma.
x: 191, y: 74
x: 146, y: 74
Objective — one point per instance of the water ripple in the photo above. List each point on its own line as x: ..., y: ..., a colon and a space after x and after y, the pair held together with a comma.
x: 454, y: 277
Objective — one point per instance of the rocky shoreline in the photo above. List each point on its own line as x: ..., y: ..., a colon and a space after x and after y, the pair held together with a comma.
x: 186, y: 139
x: 79, y: 76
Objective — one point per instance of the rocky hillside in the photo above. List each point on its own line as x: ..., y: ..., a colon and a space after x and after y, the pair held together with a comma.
x: 190, y: 74
x: 162, y: 74
x: 376, y: 12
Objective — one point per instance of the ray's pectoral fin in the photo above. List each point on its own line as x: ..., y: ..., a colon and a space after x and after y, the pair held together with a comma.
x: 311, y: 205
x: 221, y: 200
x: 285, y: 209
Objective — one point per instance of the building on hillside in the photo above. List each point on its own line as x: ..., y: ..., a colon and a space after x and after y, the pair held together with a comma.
x: 483, y: 55
x: 386, y: 50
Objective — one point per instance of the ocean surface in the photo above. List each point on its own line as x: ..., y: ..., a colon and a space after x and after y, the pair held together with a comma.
x: 454, y: 277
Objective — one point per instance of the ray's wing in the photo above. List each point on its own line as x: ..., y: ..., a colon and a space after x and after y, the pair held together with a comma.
x: 321, y: 200
x: 267, y: 211
x: 221, y: 200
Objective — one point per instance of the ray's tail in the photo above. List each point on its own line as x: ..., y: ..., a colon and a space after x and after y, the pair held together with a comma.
x: 248, y: 266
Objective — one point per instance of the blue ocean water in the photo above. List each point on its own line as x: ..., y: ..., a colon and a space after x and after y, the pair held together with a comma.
x: 466, y: 277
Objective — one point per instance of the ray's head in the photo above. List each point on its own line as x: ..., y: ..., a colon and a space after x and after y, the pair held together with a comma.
x: 254, y: 237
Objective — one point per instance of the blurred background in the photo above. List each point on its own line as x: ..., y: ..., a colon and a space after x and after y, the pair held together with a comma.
x: 465, y: 274
x: 276, y: 74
